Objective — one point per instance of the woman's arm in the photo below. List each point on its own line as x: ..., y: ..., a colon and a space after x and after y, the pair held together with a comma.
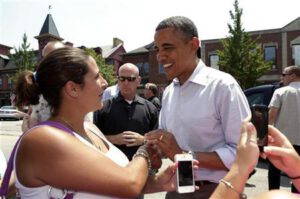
x: 232, y: 185
x: 50, y: 156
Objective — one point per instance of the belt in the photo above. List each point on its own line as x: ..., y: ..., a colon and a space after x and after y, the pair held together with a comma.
x: 203, y: 182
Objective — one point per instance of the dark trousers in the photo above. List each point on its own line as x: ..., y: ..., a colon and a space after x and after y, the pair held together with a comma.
x: 204, y: 192
x: 274, y: 175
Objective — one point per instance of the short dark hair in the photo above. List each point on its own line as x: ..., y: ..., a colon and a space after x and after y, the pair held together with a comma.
x: 152, y: 87
x: 294, y: 70
x: 181, y: 24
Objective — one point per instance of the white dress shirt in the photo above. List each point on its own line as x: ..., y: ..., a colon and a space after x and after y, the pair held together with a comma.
x: 205, y: 115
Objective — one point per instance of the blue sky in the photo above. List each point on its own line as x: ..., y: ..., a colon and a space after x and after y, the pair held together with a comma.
x: 95, y: 22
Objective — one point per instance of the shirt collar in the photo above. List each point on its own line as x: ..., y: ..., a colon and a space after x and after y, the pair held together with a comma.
x: 137, y: 99
x: 199, y: 75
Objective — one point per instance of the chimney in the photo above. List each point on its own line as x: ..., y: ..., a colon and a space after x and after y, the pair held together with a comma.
x: 69, y: 44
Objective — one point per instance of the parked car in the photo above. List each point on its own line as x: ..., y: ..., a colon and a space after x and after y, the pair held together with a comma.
x: 11, y: 112
x: 260, y: 94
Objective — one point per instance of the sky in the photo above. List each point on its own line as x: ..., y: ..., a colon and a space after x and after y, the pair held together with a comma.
x: 94, y: 23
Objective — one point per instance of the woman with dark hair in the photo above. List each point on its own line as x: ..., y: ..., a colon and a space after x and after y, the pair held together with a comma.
x: 50, y: 162
x: 38, y: 109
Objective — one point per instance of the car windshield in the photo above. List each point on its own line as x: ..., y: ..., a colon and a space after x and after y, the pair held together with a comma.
x: 9, y: 107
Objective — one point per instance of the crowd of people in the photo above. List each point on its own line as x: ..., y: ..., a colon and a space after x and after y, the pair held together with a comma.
x: 62, y: 154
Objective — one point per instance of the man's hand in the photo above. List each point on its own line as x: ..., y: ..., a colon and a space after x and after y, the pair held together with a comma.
x: 116, y: 139
x: 131, y: 138
x: 165, y: 141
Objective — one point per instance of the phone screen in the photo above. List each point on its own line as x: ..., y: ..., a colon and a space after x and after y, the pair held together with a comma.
x: 185, y: 173
x: 260, y: 121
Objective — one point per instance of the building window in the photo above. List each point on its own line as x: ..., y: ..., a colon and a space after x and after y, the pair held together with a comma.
x: 296, y: 54
x: 110, y: 62
x: 213, y: 61
x: 161, y: 69
x: 144, y: 71
x: 270, y: 55
x: 143, y: 68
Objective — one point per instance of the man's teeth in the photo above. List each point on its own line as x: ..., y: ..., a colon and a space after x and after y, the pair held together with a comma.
x: 167, y: 65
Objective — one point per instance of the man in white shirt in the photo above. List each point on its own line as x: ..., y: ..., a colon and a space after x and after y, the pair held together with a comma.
x: 202, y: 109
x: 284, y: 114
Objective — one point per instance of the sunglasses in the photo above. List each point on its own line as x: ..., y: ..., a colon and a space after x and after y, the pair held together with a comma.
x: 284, y: 74
x: 130, y: 79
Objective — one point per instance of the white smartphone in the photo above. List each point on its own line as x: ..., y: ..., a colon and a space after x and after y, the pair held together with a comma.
x: 185, y: 173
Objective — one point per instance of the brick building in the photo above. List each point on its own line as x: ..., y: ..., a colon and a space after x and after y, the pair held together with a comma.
x: 49, y: 32
x: 281, y: 46
x: 150, y: 71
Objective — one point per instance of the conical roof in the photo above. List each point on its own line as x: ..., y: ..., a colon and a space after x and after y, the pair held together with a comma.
x: 49, y: 27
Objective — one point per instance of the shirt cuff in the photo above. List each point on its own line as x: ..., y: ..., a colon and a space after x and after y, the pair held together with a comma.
x: 227, y: 155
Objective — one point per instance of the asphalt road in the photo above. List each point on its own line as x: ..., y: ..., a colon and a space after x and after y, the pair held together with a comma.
x: 10, y: 131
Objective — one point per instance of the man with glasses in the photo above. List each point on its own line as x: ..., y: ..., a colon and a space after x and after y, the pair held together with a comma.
x: 284, y: 114
x: 125, y: 118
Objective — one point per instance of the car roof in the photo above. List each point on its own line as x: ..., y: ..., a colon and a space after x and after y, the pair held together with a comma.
x: 8, y: 107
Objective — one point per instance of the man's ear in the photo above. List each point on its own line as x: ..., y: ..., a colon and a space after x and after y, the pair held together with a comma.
x: 196, y: 43
x: 71, y: 89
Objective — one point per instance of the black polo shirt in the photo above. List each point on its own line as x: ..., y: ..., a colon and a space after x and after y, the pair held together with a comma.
x: 156, y: 102
x: 117, y: 115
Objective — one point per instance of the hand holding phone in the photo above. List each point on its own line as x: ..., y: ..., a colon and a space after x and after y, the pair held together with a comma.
x: 260, y: 121
x: 185, y: 173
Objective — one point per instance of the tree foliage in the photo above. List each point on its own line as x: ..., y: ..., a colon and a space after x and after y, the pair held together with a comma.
x: 24, y: 57
x: 106, y: 70
x: 241, y: 56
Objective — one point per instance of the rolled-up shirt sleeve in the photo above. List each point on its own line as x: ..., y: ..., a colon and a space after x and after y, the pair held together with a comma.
x: 233, y: 110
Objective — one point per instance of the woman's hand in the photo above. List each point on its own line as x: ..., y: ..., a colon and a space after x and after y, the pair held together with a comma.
x: 166, y: 179
x: 154, y: 156
x: 281, y: 153
x: 247, y: 149
x: 165, y: 141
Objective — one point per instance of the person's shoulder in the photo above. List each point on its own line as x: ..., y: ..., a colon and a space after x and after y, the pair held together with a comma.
x: 217, y: 75
x: 149, y: 104
x: 44, y: 133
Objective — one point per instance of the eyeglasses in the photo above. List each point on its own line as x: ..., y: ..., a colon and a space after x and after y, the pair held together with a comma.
x: 130, y: 79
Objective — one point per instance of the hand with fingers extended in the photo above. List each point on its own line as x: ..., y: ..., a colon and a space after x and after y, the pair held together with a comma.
x: 165, y: 141
x: 233, y: 184
x: 165, y: 180
x: 131, y: 138
x: 281, y: 153
x: 247, y: 149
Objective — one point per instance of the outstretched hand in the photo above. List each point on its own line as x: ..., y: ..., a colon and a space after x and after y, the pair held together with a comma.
x: 165, y: 141
x: 155, y: 157
x: 281, y: 153
x: 167, y: 178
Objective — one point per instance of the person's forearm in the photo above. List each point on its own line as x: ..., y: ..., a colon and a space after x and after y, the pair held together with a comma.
x: 113, y: 139
x: 237, y: 176
x: 210, y: 160
x: 152, y: 186
x: 272, y: 115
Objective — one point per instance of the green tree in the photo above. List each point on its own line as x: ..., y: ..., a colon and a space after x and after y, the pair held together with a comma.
x: 106, y: 70
x: 23, y: 57
x: 241, y: 56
